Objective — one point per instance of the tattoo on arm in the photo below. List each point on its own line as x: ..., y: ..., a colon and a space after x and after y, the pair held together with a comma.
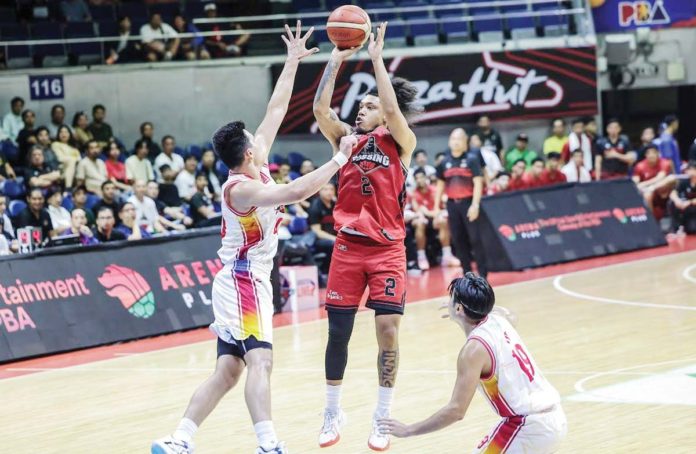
x: 388, y: 364
x: 328, y: 79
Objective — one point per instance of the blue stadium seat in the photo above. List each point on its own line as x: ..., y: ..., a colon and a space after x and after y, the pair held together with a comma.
x: 18, y: 56
x: 294, y: 175
x: 387, y: 16
x: 194, y: 150
x: 424, y: 34
x: 521, y: 27
x: 487, y: 29
x: 67, y: 202
x: 8, y: 16
x: 102, y: 12
x: 298, y: 226
x: 108, y: 28
x: 194, y: 9
x: 552, y: 23
x: 312, y: 20
x: 15, y: 207
x: 396, y: 34
x: 442, y: 13
x: 13, y: 189
x: 83, y: 53
x: 413, y: 14
x: 456, y: 31
x: 134, y: 10
x: 49, y: 54
x: 276, y: 158
x: 92, y: 199
x: 221, y: 169
x: 168, y: 10
x: 307, y: 4
x: 321, y: 40
x: 295, y: 160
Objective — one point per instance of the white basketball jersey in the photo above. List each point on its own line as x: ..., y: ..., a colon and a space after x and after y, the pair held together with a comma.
x: 249, y: 240
x: 516, y: 386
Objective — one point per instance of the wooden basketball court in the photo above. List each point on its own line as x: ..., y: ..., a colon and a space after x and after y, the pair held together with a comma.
x: 617, y: 341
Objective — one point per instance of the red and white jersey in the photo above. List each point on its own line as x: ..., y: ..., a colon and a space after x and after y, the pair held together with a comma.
x: 515, y: 386
x: 249, y: 240
x: 372, y: 189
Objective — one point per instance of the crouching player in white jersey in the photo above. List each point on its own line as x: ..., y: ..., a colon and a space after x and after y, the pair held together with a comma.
x: 495, y: 360
x: 242, y: 295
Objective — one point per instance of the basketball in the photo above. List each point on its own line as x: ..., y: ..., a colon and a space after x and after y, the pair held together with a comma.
x: 348, y: 26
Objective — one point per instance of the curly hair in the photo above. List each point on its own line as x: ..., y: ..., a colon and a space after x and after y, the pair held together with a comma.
x: 230, y: 143
x: 406, y: 94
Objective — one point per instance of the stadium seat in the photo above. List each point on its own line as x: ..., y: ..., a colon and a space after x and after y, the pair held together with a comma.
x: 68, y: 204
x: 456, y: 31
x: 102, y: 12
x: 194, y: 9
x: 13, y: 189
x: 166, y: 10
x: 15, y: 207
x: 295, y: 160
x: 294, y: 175
x: 307, y: 4
x: 52, y: 55
x: 108, y: 28
x: 424, y: 34
x: 386, y: 16
x: 194, y: 150
x: 298, y: 226
x: 521, y: 27
x: 313, y: 20
x: 8, y: 16
x: 321, y: 40
x: 487, y: 29
x: 396, y: 35
x: 413, y: 14
x: 18, y: 56
x: 92, y: 199
x: 137, y: 11
x: 221, y: 169
x: 87, y: 52
x: 277, y: 159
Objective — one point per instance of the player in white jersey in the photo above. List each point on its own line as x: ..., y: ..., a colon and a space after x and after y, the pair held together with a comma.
x: 495, y: 360
x: 242, y: 295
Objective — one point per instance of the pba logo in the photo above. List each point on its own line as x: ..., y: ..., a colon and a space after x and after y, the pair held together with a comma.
x: 507, y: 232
x: 370, y: 158
x: 131, y: 289
x: 643, y: 13
x: 620, y: 215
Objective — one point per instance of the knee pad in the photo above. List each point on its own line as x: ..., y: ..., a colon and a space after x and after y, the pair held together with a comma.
x: 340, y: 328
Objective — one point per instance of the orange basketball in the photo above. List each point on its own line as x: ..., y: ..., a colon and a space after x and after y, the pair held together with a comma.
x: 348, y: 26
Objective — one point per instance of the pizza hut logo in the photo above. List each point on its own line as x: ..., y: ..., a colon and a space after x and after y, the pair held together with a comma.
x: 370, y: 158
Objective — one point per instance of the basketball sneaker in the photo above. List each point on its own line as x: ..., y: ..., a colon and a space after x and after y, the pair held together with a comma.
x: 450, y: 261
x: 331, y: 430
x: 423, y: 263
x: 278, y: 449
x: 170, y: 445
x: 377, y: 441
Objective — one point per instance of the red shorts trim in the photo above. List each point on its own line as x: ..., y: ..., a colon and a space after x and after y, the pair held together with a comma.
x: 358, y: 263
x: 503, y: 435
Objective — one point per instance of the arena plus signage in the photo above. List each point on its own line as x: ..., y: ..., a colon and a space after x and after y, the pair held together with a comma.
x: 105, y: 294
x: 455, y: 88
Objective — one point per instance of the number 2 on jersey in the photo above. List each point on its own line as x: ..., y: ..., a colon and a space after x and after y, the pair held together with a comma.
x: 366, y: 186
x: 523, y: 360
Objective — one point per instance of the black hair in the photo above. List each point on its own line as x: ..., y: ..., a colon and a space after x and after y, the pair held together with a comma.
x: 27, y: 112
x: 164, y: 167
x: 88, y: 143
x: 521, y: 160
x: 419, y: 151
x: 105, y: 183
x: 441, y: 153
x: 123, y: 205
x: 651, y: 146
x: 230, y: 143
x: 167, y: 137
x: 33, y: 190
x: 482, y: 116
x: 122, y: 17
x: 202, y: 175
x: 669, y: 119
x: 578, y: 120
x: 81, y: 187
x: 190, y: 156
x: 97, y: 107
x: 406, y: 94
x: 691, y: 164
x: 537, y: 159
x: 40, y: 129
x: 475, y: 295
x: 419, y: 171
x: 104, y: 208
x: 577, y: 150
x: 146, y: 123
x: 552, y: 155
x: 613, y: 120
x: 139, y: 143
x: 15, y: 100
x: 589, y: 119
x: 76, y: 117
x: 57, y: 106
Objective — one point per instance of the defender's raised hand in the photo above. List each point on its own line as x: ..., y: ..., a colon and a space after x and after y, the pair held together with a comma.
x: 377, y: 44
x: 297, y: 44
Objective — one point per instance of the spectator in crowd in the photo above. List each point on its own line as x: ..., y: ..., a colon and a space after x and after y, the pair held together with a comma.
x: 81, y: 133
x: 68, y: 156
x: 490, y: 138
x: 160, y: 40
x: 460, y: 177
x: 168, y: 192
x: 283, y: 176
x: 39, y: 174
x: 57, y: 120
x: 128, y: 226
x: 6, y: 229
x: 439, y: 157
x: 79, y: 199
x: 669, y: 147
x: 499, y: 185
x: 647, y: 138
x: 576, y: 171
x: 108, y: 199
x: 6, y: 169
x: 220, y: 46
x: 692, y: 151
x: 147, y: 131
x: 519, y: 151
x: 168, y: 157
x: 26, y: 137
x: 43, y: 139
x: 591, y: 130
x: 578, y: 139
x: 190, y: 48
x: 75, y: 11
x: 534, y: 178
x: 321, y: 221
x: 186, y: 180
x: 429, y: 218
x: 419, y: 161
x: 684, y: 202
x: 517, y: 180
x: 91, y: 171
x: 614, y: 153
x: 104, y: 231
x: 307, y: 167
x: 558, y: 137
x: 78, y: 226
x: 124, y: 50
x: 208, y: 167
x: 138, y: 167
x: 180, y: 220
x: 491, y: 161
x: 60, y: 217
x: 202, y: 209
x: 101, y: 131
x: 145, y: 209
x: 115, y: 169
x: 35, y: 215
x: 12, y: 122
x: 654, y: 179
x: 552, y: 174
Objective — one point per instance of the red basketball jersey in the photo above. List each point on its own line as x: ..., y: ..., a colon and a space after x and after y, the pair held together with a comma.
x: 372, y: 190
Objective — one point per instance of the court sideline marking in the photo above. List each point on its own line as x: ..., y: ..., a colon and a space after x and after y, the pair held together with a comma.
x: 686, y: 274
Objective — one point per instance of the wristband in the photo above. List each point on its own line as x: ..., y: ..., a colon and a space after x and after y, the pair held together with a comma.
x: 340, y: 159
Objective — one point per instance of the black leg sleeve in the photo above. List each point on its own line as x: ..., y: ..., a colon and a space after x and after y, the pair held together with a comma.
x: 340, y: 330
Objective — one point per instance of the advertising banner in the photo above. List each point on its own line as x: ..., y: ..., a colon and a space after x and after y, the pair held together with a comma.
x: 620, y: 15
x: 73, y: 298
x: 526, y: 84
x: 566, y: 223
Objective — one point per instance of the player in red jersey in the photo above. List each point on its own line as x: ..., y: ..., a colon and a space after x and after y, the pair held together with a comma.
x: 369, y: 250
x: 654, y: 179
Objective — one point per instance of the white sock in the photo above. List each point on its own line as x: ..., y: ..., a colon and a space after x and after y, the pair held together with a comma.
x: 185, y: 430
x: 385, y: 396
x: 333, y: 398
x: 447, y: 251
x: 421, y: 255
x: 265, y: 434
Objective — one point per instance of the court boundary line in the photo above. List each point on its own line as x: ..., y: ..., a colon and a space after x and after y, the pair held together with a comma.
x: 686, y: 274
